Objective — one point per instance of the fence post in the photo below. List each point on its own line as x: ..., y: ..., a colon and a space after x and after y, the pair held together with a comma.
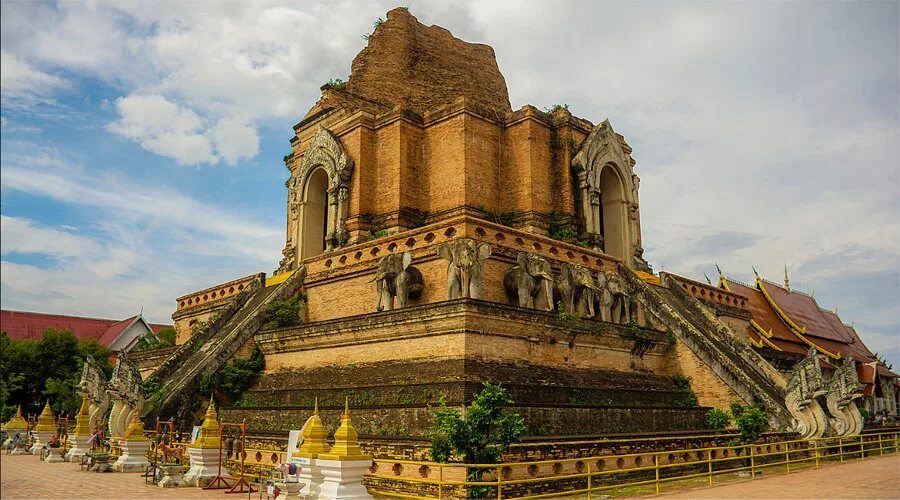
x: 440, y: 482
x: 709, y: 461
x: 656, y: 468
x: 880, y: 447
x: 787, y: 456
x: 752, y: 464
x: 590, y: 481
x: 816, y: 449
x: 499, y: 483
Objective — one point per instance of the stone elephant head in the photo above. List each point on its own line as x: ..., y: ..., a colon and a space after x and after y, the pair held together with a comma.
x: 576, y: 288
x: 620, y: 303
x: 531, y: 281
x: 464, y: 272
x: 396, y: 278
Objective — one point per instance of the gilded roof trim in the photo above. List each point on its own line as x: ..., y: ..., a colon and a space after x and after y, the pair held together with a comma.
x: 797, y: 330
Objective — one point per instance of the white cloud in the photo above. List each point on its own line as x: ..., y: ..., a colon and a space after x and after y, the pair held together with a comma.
x: 23, y: 85
x: 22, y: 236
x: 235, y: 140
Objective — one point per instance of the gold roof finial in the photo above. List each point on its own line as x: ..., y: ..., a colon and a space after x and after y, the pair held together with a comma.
x: 315, y: 436
x: 209, y: 429
x: 45, y: 421
x: 135, y: 430
x: 787, y: 281
x: 345, y: 446
x: 17, y: 423
x: 82, y: 420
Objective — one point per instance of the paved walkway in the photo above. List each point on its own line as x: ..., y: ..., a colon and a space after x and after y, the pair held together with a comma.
x: 26, y: 477
x: 869, y: 478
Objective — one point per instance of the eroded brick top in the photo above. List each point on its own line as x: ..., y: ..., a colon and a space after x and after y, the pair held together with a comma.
x: 420, y: 68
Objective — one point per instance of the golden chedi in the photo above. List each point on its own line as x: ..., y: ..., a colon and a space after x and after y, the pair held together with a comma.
x: 315, y: 436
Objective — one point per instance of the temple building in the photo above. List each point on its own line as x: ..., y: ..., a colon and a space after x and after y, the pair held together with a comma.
x: 116, y: 335
x: 436, y: 239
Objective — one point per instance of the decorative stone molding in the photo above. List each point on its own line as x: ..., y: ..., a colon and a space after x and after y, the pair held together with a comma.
x: 616, y: 203
x: 325, y: 152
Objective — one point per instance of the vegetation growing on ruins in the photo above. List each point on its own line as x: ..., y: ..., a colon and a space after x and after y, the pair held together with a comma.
x: 374, y: 235
x: 334, y: 83
x: 33, y: 371
x: 556, y: 107
x: 283, y: 313
x: 234, y: 378
x: 378, y: 22
x: 688, y: 397
x: 507, y: 219
x: 165, y: 337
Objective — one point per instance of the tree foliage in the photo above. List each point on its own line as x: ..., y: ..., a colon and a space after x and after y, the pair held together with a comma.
x: 479, y: 435
x: 718, y: 419
x: 165, y: 337
x: 32, y: 371
x: 750, y: 420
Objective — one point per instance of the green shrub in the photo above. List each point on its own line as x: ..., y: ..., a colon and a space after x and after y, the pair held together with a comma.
x: 282, y: 313
x: 718, y: 419
x: 750, y: 420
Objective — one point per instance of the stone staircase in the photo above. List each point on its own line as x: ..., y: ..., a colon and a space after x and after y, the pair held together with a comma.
x: 210, y: 348
x: 731, y: 359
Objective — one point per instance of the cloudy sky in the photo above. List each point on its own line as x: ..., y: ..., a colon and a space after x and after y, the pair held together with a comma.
x: 142, y: 142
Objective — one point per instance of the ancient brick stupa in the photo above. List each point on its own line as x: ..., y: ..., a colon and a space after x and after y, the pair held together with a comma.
x: 438, y: 239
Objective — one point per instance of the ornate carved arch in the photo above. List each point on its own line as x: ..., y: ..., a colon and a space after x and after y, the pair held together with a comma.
x: 324, y: 152
x: 601, y: 150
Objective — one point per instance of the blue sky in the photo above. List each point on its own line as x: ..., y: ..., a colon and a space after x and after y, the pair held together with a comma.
x: 142, y: 142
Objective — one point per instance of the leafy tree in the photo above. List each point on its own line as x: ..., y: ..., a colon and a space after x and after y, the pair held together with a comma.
x: 32, y: 371
x: 479, y: 435
x: 750, y: 420
x: 167, y: 335
x: 718, y: 419
x: 234, y: 378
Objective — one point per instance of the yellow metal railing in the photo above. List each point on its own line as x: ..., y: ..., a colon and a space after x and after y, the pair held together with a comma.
x: 607, y: 473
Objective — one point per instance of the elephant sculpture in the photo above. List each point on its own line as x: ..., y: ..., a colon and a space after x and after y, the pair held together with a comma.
x: 620, y: 307
x: 604, y: 297
x: 576, y: 289
x: 531, y: 282
x: 464, y: 272
x: 396, y: 278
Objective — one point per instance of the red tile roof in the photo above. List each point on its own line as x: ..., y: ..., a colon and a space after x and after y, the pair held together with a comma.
x: 20, y: 325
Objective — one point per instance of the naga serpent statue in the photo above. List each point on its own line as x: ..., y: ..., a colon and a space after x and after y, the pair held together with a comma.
x: 843, y: 391
x: 93, y: 386
x: 804, y: 386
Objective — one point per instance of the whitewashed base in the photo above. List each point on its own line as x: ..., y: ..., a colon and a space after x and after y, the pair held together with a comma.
x: 133, y: 457
x: 308, y: 476
x: 204, y: 466
x: 40, y: 439
x: 342, y: 480
x: 289, y: 490
x: 80, y: 447
x: 172, y: 476
x: 54, y: 455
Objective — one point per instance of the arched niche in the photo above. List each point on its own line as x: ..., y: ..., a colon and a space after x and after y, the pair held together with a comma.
x: 318, y: 194
x: 314, y: 218
x: 607, y: 204
x: 613, y: 212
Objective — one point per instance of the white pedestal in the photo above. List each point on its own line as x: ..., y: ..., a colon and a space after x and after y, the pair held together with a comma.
x: 308, y: 476
x: 21, y: 449
x: 172, y: 476
x: 80, y: 447
x: 40, y: 439
x: 133, y: 457
x: 54, y: 455
x: 343, y: 479
x: 204, y: 466
x: 289, y: 490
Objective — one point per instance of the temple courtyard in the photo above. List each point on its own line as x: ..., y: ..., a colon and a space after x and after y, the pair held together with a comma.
x: 27, y: 477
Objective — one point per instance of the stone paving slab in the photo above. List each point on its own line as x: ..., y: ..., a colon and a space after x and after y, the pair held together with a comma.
x: 869, y: 478
x: 26, y: 477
